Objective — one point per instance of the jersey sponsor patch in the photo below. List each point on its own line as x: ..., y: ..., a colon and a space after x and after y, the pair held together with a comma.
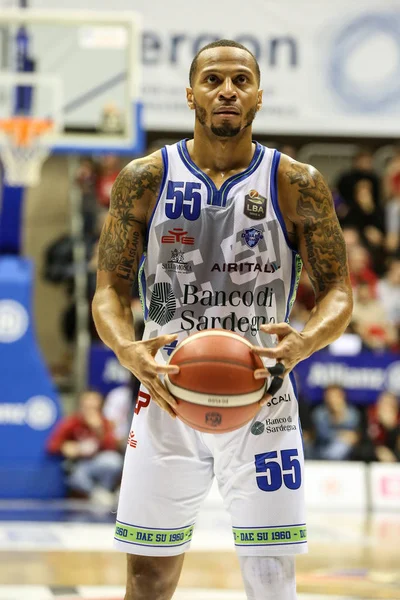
x: 255, y: 206
x: 252, y: 236
x: 177, y: 236
x: 177, y: 263
x: 163, y: 303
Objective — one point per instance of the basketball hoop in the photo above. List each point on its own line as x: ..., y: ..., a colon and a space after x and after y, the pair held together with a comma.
x: 24, y: 146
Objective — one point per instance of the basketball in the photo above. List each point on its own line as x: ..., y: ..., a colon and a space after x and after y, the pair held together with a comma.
x: 215, y: 389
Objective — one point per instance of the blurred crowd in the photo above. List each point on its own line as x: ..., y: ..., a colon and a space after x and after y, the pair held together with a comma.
x: 339, y: 430
x: 368, y: 207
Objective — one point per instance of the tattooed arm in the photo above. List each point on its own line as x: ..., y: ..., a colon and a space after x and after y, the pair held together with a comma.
x: 133, y: 198
x: 307, y: 202
x: 307, y: 207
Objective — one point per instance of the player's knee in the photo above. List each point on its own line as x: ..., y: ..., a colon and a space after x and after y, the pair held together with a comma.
x: 152, y: 577
x: 269, y: 578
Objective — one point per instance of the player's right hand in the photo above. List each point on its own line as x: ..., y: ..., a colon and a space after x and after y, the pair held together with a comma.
x: 138, y: 358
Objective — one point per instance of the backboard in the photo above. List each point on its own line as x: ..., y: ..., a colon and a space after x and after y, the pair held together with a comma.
x: 80, y: 69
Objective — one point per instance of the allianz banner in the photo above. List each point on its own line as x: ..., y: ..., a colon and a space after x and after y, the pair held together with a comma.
x: 329, y: 68
x: 363, y: 376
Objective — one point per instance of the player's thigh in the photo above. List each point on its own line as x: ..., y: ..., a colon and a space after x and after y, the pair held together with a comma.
x: 157, y: 576
x: 167, y: 473
x: 260, y: 471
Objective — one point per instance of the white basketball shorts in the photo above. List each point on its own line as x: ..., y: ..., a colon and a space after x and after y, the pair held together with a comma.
x: 169, y: 468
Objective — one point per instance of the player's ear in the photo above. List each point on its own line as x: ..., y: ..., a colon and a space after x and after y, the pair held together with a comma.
x: 259, y: 99
x: 190, y: 98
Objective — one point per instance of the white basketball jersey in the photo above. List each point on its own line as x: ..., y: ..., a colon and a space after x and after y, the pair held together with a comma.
x: 217, y: 258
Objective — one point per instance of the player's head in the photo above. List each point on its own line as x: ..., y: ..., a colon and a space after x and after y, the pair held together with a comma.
x: 224, y: 87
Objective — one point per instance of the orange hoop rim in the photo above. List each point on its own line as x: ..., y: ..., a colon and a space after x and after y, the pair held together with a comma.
x: 24, y: 130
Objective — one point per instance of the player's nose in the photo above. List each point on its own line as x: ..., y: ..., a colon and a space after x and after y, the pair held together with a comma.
x: 227, y: 89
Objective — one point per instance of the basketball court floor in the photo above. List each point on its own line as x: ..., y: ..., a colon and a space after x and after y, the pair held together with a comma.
x: 63, y: 550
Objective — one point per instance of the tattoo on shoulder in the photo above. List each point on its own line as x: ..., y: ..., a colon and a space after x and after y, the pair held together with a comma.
x: 325, y: 246
x: 119, y: 241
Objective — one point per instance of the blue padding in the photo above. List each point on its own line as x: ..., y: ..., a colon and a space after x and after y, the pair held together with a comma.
x: 11, y: 219
x: 29, y: 403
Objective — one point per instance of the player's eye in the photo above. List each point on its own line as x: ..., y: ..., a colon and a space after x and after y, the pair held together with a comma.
x: 241, y: 79
x: 212, y: 79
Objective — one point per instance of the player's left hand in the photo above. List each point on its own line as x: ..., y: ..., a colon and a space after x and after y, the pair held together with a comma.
x: 288, y: 352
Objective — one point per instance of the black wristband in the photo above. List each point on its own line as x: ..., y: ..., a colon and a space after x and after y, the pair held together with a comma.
x: 277, y: 369
x: 276, y: 385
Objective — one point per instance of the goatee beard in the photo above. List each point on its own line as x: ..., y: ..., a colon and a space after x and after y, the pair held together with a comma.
x: 225, y: 130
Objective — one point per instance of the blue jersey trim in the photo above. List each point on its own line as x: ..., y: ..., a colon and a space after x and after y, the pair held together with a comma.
x: 164, y: 154
x: 292, y: 284
x: 254, y: 164
x: 141, y: 273
x: 274, y: 197
x: 294, y: 384
x: 142, y: 286
x: 218, y: 197
x: 193, y: 168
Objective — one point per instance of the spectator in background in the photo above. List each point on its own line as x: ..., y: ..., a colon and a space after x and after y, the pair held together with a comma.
x: 392, y: 206
x: 360, y: 268
x: 384, y: 427
x: 388, y: 290
x: 352, y: 238
x: 359, y: 189
x: 86, y: 439
x: 336, y: 425
x: 305, y: 302
x: 86, y: 178
x: 69, y: 316
x: 370, y: 320
x: 109, y: 168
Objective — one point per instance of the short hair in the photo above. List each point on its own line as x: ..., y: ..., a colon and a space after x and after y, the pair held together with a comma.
x: 222, y: 44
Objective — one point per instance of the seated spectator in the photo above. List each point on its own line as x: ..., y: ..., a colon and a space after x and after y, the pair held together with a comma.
x: 110, y: 166
x: 86, y: 177
x: 384, y: 427
x: 388, y: 291
x: 86, y: 439
x: 352, y: 238
x: 360, y: 190
x: 392, y: 206
x: 118, y: 409
x: 305, y: 302
x: 370, y: 320
x: 336, y: 425
x: 360, y: 267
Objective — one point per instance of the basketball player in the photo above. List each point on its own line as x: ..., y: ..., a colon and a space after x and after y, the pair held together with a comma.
x: 213, y: 227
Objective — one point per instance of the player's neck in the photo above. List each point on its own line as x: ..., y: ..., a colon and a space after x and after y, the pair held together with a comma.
x: 216, y: 155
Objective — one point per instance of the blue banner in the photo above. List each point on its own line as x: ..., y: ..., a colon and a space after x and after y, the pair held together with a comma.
x: 105, y: 372
x: 363, y: 376
x: 29, y: 403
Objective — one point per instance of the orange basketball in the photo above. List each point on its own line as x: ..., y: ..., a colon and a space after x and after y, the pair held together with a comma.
x: 215, y: 388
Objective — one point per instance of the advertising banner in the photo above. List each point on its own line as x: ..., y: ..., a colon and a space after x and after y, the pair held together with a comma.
x: 105, y: 372
x: 363, y: 376
x: 29, y: 404
x: 385, y: 486
x: 328, y: 68
x: 336, y: 485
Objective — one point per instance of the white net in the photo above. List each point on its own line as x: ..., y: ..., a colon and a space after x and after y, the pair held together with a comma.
x: 24, y: 146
